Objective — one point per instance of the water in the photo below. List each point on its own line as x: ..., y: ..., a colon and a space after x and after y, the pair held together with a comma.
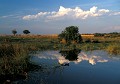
x: 60, y: 67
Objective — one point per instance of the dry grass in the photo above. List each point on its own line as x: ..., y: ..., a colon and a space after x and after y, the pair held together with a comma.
x: 113, y: 48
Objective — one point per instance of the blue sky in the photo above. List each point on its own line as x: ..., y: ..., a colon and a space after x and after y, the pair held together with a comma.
x: 52, y: 16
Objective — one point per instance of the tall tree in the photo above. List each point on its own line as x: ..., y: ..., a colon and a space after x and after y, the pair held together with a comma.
x: 70, y: 34
x: 26, y: 31
x: 14, y: 32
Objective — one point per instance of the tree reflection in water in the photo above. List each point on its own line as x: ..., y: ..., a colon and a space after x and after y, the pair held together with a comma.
x: 71, y: 55
x: 55, y: 71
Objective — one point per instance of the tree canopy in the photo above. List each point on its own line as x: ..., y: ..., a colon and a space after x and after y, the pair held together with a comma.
x: 26, y: 31
x: 14, y: 31
x: 70, y: 34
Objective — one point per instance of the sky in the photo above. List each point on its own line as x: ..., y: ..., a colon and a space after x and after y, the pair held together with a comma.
x: 53, y: 16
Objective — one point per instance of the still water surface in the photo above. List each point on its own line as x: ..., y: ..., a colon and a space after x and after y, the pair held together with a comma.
x: 86, y: 67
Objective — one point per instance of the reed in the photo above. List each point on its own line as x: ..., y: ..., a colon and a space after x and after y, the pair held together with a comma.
x: 13, y: 60
x: 113, y: 48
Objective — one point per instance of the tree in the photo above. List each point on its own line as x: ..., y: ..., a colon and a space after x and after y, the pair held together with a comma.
x: 14, y: 31
x: 26, y: 31
x: 70, y: 34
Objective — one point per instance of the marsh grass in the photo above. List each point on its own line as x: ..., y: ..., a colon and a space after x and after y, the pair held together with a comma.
x: 113, y: 48
x: 13, y: 60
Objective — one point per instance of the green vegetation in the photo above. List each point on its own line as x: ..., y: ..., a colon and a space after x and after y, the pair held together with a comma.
x: 14, y: 32
x: 70, y: 34
x: 111, y: 35
x: 13, y: 59
x: 113, y: 48
x: 26, y: 31
x: 51, y: 43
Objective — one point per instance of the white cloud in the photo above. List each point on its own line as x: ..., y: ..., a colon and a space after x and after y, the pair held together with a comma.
x: 115, y: 13
x: 40, y: 14
x: 102, y: 11
x: 6, y: 16
x: 71, y: 13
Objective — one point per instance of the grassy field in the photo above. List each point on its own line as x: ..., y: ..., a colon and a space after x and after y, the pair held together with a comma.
x: 15, y: 50
x: 43, y: 42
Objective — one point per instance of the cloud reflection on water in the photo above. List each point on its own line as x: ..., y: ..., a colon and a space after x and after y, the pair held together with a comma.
x: 55, y: 55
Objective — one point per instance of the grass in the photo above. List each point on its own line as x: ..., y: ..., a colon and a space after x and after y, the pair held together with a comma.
x: 113, y: 48
x: 13, y: 61
x: 14, y: 55
x: 13, y: 58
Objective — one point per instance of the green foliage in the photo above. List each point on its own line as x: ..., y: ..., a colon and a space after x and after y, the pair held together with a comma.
x: 6, y: 50
x: 70, y: 34
x: 14, y: 31
x: 26, y: 31
x: 99, y: 34
x: 13, y: 58
x: 14, y: 61
x: 113, y: 48
x: 109, y: 35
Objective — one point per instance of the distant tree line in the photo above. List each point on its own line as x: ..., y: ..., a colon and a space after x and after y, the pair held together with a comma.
x: 112, y: 34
